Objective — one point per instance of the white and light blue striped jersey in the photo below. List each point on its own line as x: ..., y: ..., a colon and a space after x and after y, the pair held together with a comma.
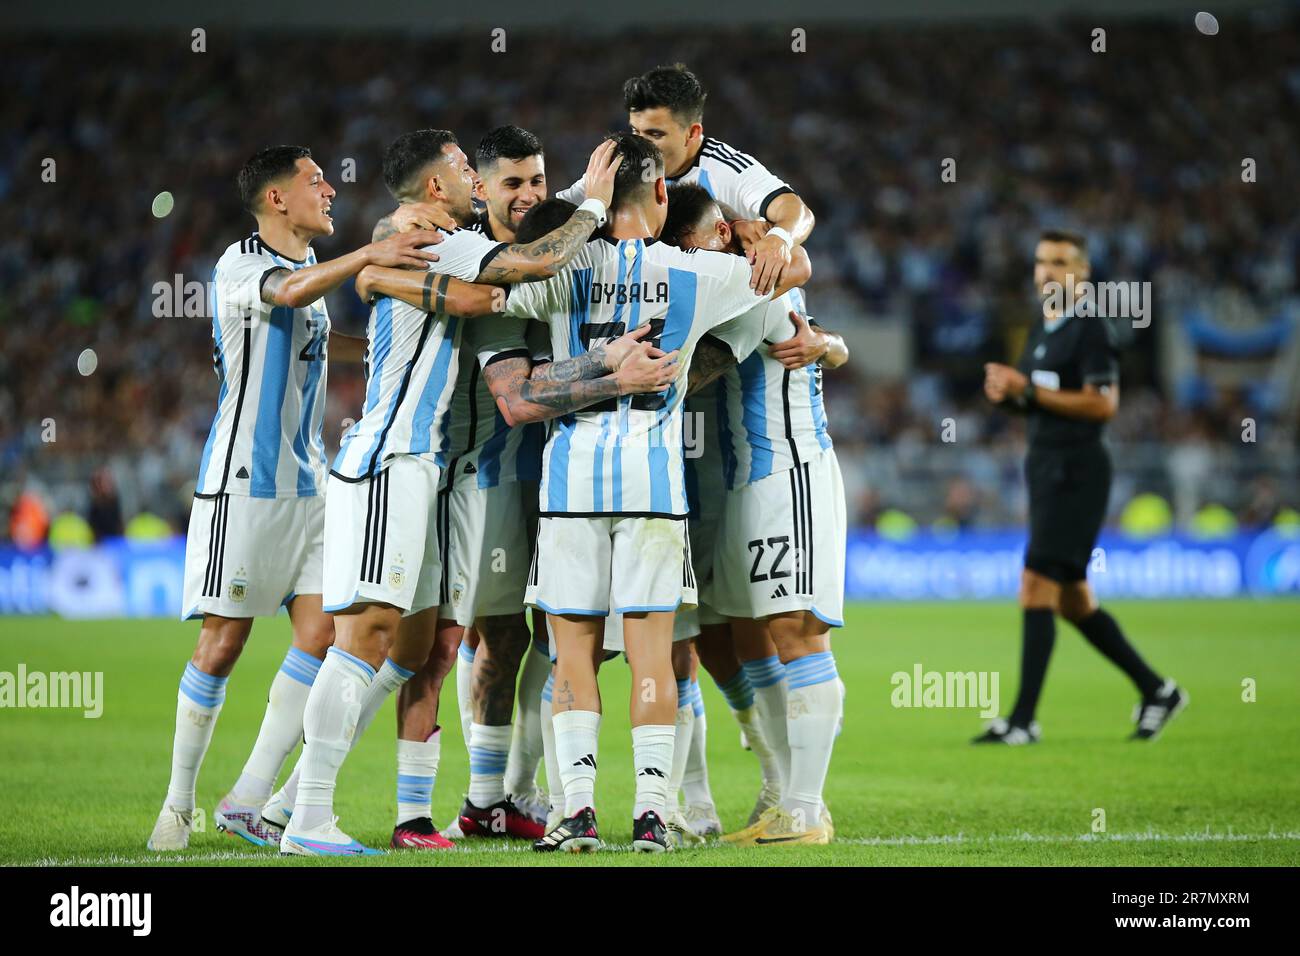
x: 411, y: 367
x: 770, y: 418
x: 624, y: 456
x: 735, y: 179
x: 265, y: 441
x: 483, y: 451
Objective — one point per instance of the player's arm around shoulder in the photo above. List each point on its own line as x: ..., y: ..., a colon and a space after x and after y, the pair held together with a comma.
x: 431, y: 291
x: 810, y: 343
x: 299, y: 288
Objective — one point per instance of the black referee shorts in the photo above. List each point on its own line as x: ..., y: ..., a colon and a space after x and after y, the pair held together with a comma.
x: 1069, y: 488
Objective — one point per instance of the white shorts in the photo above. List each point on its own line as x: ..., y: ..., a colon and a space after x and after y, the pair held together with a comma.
x: 781, y: 544
x: 593, y: 565
x: 380, y: 540
x: 486, y: 546
x: 245, y: 557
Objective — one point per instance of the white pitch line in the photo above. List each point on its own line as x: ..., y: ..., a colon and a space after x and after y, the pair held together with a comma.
x: 1149, y: 836
x: 950, y: 839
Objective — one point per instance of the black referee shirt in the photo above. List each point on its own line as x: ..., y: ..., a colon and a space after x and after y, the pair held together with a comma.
x: 1076, y: 352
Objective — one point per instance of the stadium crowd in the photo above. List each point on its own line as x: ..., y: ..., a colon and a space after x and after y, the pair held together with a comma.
x: 1141, y: 147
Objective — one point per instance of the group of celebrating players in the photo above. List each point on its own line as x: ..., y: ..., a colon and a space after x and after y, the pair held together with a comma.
x: 681, y: 504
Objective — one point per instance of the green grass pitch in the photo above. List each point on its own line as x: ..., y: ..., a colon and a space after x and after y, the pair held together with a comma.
x: 1221, y: 787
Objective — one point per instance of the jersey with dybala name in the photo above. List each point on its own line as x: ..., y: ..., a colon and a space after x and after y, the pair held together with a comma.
x: 411, y: 366
x: 265, y: 441
x: 624, y: 456
x: 770, y: 418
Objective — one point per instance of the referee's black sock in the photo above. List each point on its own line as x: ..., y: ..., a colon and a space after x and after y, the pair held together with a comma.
x: 1039, y: 636
x: 1103, y: 633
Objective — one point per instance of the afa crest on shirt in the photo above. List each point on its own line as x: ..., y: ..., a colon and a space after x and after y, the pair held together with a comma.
x: 238, y: 589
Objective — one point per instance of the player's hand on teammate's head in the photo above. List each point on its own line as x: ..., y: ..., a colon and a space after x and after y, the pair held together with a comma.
x: 404, y: 250
x: 748, y: 232
x: 598, y: 180
x: 647, y: 369
x: 769, y: 257
x: 806, y: 346
x: 421, y: 215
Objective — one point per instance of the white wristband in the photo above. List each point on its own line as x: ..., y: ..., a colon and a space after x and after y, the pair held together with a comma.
x: 595, y: 207
x: 782, y: 235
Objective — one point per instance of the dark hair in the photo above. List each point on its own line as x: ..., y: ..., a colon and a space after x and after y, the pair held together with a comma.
x: 408, y: 155
x: 673, y: 87
x: 265, y: 167
x: 687, y: 205
x: 546, y: 216
x: 640, y: 157
x: 1075, y: 239
x: 507, y: 142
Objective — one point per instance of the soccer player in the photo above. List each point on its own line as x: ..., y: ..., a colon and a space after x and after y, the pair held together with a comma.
x: 381, y: 549
x: 1067, y: 384
x: 254, y: 541
x: 613, y: 497
x: 666, y: 106
x: 487, y: 505
x: 779, y: 560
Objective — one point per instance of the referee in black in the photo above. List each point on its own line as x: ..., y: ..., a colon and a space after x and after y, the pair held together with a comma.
x: 1067, y: 384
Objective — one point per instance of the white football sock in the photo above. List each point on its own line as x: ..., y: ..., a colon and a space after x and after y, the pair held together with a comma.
x: 488, y: 748
x: 281, y: 727
x: 417, y: 769
x: 198, y: 702
x: 576, y: 733
x: 465, y: 689
x: 685, y: 727
x: 815, y: 698
x: 695, y: 782
x: 768, y: 679
x: 390, y: 677
x: 554, y: 780
x: 526, y: 744
x: 652, y: 759
x: 329, y: 727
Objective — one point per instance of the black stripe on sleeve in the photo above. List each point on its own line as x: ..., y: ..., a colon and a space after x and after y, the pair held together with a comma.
x: 266, y: 275
x: 767, y: 200
x: 492, y: 254
x: 508, y: 354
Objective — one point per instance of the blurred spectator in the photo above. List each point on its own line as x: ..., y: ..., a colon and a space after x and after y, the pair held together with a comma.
x: 1143, y: 153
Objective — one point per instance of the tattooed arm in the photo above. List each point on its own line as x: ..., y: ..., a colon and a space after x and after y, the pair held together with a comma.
x: 525, y: 392
x: 711, y: 359
x: 430, y: 291
x: 543, y: 258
